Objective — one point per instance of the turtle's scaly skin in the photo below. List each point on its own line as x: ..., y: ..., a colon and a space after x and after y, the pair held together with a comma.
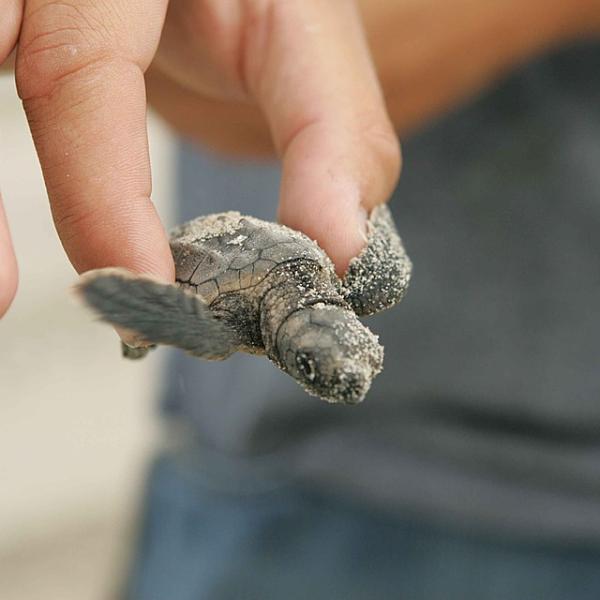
x: 246, y: 284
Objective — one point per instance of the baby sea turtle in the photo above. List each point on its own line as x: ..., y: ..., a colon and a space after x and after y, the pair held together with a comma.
x: 259, y: 287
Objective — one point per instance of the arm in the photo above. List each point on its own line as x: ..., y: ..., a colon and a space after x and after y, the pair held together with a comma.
x: 434, y: 54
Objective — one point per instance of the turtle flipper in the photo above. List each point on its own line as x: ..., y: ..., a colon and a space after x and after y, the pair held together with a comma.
x: 157, y: 313
x: 379, y: 276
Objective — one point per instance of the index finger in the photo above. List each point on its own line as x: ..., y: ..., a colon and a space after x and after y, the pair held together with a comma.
x: 80, y: 75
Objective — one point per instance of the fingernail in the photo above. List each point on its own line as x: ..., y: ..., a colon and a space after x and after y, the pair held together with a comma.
x: 363, y: 224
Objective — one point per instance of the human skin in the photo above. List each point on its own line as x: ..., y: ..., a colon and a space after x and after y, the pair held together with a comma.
x: 252, y: 77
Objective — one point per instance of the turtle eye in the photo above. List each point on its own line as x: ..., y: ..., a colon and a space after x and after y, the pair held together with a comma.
x: 306, y: 365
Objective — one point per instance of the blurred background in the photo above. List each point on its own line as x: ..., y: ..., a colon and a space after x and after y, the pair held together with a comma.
x: 76, y: 422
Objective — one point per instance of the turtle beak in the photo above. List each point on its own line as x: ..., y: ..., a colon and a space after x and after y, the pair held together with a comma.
x: 343, y: 375
x: 351, y: 383
x: 352, y: 376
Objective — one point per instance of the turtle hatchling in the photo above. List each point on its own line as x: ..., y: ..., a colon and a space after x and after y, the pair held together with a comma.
x: 263, y: 288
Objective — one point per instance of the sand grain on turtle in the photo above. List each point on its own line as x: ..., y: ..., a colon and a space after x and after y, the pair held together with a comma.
x: 248, y: 285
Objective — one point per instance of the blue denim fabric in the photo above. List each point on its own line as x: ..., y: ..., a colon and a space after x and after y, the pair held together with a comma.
x: 284, y: 542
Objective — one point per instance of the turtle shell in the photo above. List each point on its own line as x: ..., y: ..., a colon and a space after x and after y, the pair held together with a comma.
x: 228, y: 252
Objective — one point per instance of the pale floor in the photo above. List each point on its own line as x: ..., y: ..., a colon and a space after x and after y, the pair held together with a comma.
x: 76, y: 421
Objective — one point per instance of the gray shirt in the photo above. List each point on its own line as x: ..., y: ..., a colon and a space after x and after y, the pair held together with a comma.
x: 487, y: 413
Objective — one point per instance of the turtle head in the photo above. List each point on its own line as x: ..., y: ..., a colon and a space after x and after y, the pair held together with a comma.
x: 330, y: 352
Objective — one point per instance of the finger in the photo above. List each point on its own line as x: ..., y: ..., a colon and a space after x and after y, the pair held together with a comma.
x: 80, y: 74
x: 8, y: 265
x: 309, y: 67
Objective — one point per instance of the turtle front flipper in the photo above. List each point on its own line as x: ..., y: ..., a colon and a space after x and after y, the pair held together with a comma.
x: 379, y: 276
x: 157, y: 313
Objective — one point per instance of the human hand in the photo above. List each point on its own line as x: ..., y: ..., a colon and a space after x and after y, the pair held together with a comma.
x: 305, y: 65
